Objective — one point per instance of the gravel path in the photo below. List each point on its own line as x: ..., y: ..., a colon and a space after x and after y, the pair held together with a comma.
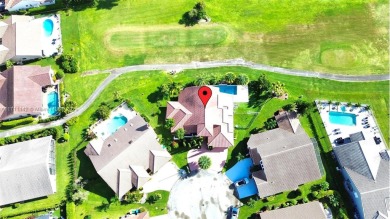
x: 114, y: 73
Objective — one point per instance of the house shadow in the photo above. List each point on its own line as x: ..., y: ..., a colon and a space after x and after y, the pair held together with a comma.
x: 106, y: 4
x: 241, y: 148
x: 95, y: 184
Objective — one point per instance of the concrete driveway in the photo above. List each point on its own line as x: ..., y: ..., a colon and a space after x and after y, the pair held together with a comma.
x: 204, y: 195
x: 164, y: 179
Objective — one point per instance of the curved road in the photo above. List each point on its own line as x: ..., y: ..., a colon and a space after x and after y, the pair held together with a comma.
x: 114, y: 73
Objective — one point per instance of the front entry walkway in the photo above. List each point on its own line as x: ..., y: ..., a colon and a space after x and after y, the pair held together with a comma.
x: 164, y: 179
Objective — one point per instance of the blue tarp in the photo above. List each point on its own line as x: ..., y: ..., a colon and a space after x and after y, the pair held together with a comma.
x: 240, y: 171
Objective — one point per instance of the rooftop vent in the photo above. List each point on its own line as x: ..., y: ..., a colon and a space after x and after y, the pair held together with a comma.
x: 109, y: 145
x: 131, y: 124
x: 115, y: 139
x: 125, y: 129
x: 131, y: 141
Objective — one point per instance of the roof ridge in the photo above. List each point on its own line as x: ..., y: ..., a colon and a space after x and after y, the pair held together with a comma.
x: 375, y: 190
x: 290, y: 149
x: 365, y: 159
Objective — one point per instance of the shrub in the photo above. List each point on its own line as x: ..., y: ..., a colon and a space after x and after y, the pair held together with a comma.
x: 66, y: 137
x: 305, y: 200
x: 68, y: 63
x: 180, y: 133
x: 9, y: 64
x: 133, y: 197
x: 270, y: 198
x: 153, y: 198
x: 16, y: 122
x: 53, y: 118
x: 251, y: 203
x: 80, y: 196
x: 175, y: 144
x: 324, y: 186
x: 72, y: 121
x: 145, y: 117
x: 59, y: 74
x: 204, y: 162
x: 16, y: 205
x: 315, y: 194
x: 103, y: 112
x: 294, y: 202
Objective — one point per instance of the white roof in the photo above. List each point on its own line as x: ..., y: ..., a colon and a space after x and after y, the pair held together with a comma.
x: 29, y: 38
x: 371, y: 154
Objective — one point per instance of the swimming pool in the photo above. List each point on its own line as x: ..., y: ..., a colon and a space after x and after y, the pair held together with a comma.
x: 228, y: 89
x: 48, y: 26
x: 115, y: 123
x: 342, y: 118
x: 52, y: 103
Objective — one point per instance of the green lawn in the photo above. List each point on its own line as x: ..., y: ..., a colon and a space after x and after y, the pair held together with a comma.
x: 347, y: 37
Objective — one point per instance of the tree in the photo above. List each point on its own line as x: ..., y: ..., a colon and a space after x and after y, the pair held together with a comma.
x: 80, y: 196
x: 278, y: 88
x: 60, y: 74
x: 324, y: 186
x: 214, y: 80
x: 302, y: 106
x: 337, y: 105
x: 66, y: 137
x: 133, y: 197
x: 174, y: 88
x: 289, y: 107
x: 180, y: 133
x: 103, y: 112
x: 230, y: 77
x: 240, y: 157
x: 367, y: 107
x: 68, y: 63
x: 117, y: 95
x: 204, y: 162
x: 165, y: 91
x: 270, y: 124
x: 200, y: 81
x: 9, y: 64
x: 334, y: 201
x: 153, y: 198
x: 242, y: 79
x: 69, y: 106
x: 264, y: 85
x: 330, y: 104
x: 358, y: 105
x: 169, y: 123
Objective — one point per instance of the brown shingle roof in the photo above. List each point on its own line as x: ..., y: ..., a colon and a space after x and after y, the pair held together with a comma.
x: 189, y: 113
x: 288, y: 159
x: 311, y: 210
x: 21, y: 89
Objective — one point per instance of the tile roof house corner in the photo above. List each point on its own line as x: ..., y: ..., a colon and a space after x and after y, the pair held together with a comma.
x: 286, y: 156
x: 214, y: 122
x: 310, y: 210
x: 126, y: 159
x: 35, y: 177
x: 16, y: 83
x: 365, y: 168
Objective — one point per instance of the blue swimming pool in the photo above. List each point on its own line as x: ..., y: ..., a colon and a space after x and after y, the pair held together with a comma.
x: 115, y: 123
x: 48, y: 26
x: 228, y: 89
x: 342, y: 118
x: 52, y: 103
x: 239, y: 171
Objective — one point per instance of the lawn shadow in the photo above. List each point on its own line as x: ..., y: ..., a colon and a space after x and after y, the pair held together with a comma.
x: 106, y: 4
x: 240, y: 148
x: 95, y: 183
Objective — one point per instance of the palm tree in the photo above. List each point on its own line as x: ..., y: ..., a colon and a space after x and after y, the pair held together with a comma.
x: 230, y: 77
x: 367, y: 107
x: 337, y: 104
x: 175, y: 88
x: 349, y: 104
x: 329, y: 103
x: 165, y: 91
x: 278, y: 88
x: 290, y: 107
x: 358, y: 105
x: 200, y: 81
x: 242, y: 79
x: 116, y: 95
x: 270, y: 124
x: 204, y: 162
x: 214, y: 80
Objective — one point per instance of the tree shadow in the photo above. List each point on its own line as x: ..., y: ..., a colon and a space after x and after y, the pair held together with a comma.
x: 240, y: 148
x: 95, y: 183
x: 106, y: 4
x: 155, y: 96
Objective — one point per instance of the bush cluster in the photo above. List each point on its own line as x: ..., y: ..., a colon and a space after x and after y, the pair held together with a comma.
x: 68, y: 63
x: 25, y: 137
x: 16, y: 122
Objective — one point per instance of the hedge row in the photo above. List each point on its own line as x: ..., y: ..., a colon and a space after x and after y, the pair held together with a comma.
x: 25, y: 137
x: 37, y: 210
x: 16, y: 122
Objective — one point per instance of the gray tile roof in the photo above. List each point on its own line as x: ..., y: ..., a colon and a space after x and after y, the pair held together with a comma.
x: 373, y: 192
x: 311, y: 210
x: 24, y: 171
x: 129, y: 145
x: 288, y: 159
x: 351, y: 156
x: 358, y: 136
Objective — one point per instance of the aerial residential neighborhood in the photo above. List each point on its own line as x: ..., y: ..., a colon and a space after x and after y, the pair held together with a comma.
x: 194, y: 109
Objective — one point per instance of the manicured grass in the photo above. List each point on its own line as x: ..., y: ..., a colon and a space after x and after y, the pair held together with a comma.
x: 347, y: 37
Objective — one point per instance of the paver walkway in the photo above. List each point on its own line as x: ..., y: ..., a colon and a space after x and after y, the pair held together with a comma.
x: 114, y: 73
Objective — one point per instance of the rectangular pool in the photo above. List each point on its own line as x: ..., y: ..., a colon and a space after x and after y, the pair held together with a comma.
x: 342, y: 118
x: 228, y: 89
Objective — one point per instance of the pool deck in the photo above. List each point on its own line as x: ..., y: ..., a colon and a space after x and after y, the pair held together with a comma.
x: 47, y: 42
x: 360, y: 112
x: 100, y: 128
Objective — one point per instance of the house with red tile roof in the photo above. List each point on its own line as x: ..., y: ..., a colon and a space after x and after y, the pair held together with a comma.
x: 214, y: 121
x: 21, y: 91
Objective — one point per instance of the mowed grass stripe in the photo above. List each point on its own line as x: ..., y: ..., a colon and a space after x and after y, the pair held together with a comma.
x: 178, y: 37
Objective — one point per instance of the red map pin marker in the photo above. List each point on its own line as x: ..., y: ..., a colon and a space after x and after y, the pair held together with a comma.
x: 204, y: 94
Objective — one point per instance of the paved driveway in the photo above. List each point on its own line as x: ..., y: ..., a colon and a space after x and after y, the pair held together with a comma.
x: 217, y: 155
x: 204, y: 195
x: 164, y: 179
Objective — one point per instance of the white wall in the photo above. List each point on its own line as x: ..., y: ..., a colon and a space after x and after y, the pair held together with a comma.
x: 30, y: 4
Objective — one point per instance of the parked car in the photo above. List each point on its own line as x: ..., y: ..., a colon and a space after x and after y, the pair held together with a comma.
x: 233, y: 212
x: 241, y: 182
